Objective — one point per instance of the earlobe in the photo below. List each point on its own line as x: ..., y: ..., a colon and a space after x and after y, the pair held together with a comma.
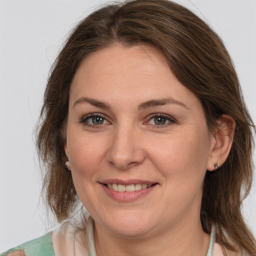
x: 222, y: 142
x: 64, y: 136
x: 67, y: 163
x: 68, y: 166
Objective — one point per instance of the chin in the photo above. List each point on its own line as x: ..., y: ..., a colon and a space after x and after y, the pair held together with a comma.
x: 132, y: 231
x: 129, y: 225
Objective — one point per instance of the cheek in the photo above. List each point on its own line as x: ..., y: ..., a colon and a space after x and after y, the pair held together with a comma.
x: 182, y: 157
x: 182, y: 163
x: 85, y: 153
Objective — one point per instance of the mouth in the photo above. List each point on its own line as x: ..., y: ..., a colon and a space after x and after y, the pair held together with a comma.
x: 128, y: 188
x: 126, y: 191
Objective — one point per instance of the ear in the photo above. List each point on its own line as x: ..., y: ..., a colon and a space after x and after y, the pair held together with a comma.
x: 68, y: 163
x: 221, y: 142
x: 64, y: 136
x: 66, y: 150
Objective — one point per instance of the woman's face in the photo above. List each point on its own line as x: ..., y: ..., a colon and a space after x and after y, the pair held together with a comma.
x: 137, y: 141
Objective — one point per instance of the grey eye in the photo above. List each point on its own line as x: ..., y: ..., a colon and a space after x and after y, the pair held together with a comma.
x: 97, y: 120
x: 94, y: 120
x: 159, y: 120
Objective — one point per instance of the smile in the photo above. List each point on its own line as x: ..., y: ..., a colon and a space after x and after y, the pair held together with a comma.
x: 127, y: 191
x: 128, y: 188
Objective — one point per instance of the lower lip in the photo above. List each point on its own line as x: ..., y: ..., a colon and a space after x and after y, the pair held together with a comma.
x: 127, y: 196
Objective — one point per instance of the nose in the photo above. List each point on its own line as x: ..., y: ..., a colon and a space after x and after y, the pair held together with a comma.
x: 126, y: 148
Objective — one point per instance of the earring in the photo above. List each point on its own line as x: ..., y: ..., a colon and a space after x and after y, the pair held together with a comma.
x: 216, y: 166
x: 67, y: 164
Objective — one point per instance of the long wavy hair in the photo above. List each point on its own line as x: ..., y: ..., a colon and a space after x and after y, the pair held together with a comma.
x: 199, y: 60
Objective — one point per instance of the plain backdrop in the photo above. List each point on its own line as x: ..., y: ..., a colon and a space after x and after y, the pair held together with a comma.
x: 31, y: 35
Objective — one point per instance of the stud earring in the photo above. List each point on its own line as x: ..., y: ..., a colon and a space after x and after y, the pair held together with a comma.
x: 216, y: 166
x: 67, y: 164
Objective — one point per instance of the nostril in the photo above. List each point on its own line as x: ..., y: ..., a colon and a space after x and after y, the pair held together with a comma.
x: 133, y: 164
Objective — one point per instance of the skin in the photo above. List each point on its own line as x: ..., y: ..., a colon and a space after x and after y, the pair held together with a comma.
x: 129, y: 143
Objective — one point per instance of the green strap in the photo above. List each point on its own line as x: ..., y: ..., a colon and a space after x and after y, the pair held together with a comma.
x: 41, y: 246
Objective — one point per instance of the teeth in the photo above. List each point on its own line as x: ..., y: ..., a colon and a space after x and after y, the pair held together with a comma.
x: 121, y: 188
x: 114, y: 187
x: 138, y: 187
x: 127, y: 188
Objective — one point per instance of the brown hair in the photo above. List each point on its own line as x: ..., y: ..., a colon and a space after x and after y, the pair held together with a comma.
x: 199, y: 60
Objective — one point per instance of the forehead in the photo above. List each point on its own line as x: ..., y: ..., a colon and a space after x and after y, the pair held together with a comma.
x: 134, y: 73
x: 119, y: 59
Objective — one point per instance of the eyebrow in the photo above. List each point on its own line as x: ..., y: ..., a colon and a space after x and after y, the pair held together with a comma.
x: 160, y: 102
x: 94, y: 102
x: 142, y: 106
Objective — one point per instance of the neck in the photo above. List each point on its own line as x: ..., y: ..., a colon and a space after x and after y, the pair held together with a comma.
x: 186, y: 239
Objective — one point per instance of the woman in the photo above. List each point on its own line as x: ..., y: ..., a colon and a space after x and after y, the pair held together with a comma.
x: 144, y: 124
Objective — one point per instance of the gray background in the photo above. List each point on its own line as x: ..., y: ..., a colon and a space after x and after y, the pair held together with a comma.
x: 31, y: 35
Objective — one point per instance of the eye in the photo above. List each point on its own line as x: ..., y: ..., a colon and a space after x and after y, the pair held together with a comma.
x: 161, y: 120
x: 94, y: 120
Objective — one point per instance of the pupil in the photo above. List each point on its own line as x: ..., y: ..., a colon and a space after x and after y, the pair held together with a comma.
x: 97, y: 120
x: 160, y: 120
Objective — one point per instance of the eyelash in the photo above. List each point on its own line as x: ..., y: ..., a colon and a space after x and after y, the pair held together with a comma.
x: 169, y: 119
x: 85, y: 119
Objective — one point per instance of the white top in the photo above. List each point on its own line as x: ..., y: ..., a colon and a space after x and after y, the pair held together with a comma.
x: 69, y: 241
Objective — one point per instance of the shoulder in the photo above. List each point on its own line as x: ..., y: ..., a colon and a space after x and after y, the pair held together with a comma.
x: 63, y: 241
x: 41, y: 246
x: 68, y: 238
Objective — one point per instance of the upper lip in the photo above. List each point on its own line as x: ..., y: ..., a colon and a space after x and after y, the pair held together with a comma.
x: 127, y: 182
